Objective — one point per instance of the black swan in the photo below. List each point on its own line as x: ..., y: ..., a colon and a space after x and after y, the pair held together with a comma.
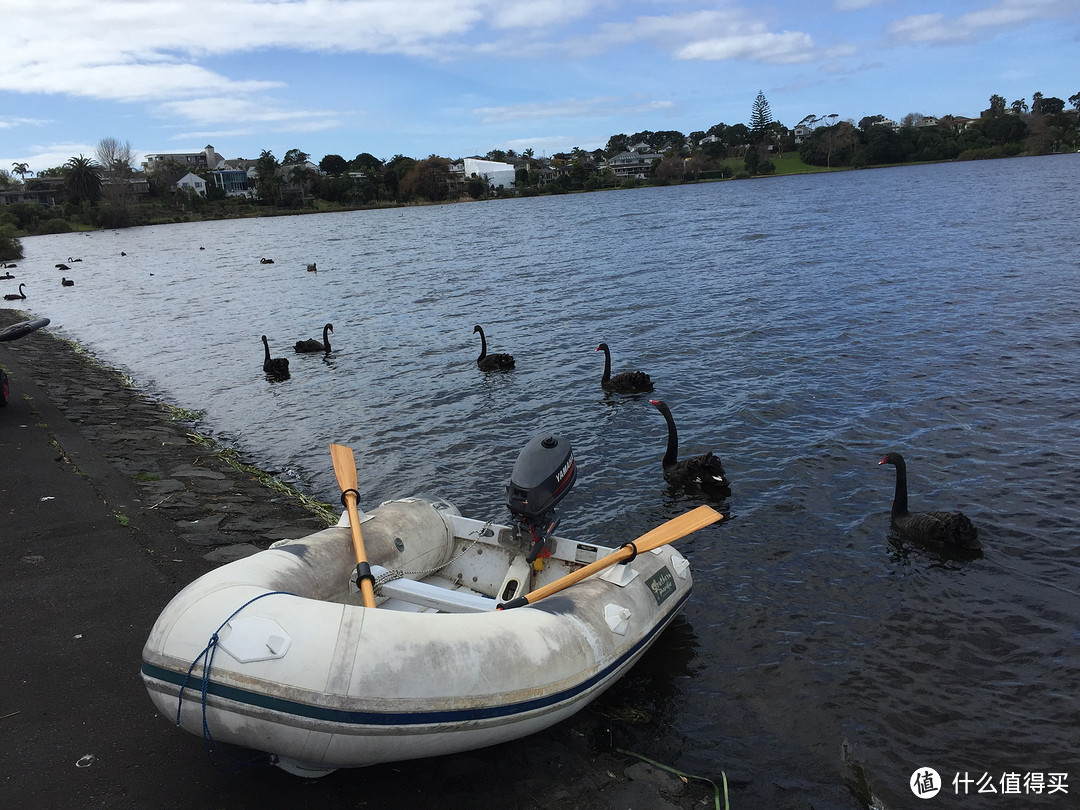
x: 704, y: 473
x: 945, y: 528
x: 19, y: 296
x: 6, y: 276
x: 73, y: 260
x: 274, y: 365
x: 264, y: 260
x: 312, y: 268
x: 626, y: 382
x: 313, y: 345
x: 491, y: 362
x: 62, y: 266
x: 67, y: 282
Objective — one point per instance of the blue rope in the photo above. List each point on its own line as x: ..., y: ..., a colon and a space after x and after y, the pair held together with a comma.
x: 208, y: 656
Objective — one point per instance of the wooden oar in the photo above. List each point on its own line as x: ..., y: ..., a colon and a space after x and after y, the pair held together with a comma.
x: 660, y: 536
x: 345, y: 470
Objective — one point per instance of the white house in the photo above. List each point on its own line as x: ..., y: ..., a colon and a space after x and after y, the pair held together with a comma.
x: 192, y: 181
x: 496, y: 173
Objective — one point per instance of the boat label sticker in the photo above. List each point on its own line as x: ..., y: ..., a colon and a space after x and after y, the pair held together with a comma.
x: 662, y: 585
x: 585, y: 553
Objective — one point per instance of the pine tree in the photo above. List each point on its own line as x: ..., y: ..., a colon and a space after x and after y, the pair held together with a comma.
x: 760, y: 117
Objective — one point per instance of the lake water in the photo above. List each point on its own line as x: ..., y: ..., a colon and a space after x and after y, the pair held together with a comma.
x: 800, y: 327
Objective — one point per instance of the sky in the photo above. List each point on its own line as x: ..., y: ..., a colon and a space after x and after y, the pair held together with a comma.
x: 458, y: 78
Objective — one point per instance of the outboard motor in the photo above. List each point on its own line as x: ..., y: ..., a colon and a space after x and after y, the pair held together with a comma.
x: 543, y: 473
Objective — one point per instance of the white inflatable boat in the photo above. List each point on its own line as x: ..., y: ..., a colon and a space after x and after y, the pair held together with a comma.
x: 277, y: 653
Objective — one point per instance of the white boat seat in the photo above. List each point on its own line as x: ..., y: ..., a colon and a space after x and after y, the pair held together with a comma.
x: 432, y: 596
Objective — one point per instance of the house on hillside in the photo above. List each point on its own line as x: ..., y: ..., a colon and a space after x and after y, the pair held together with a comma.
x: 43, y: 196
x: 496, y: 173
x: 193, y: 182
x: 633, y: 164
x: 207, y: 158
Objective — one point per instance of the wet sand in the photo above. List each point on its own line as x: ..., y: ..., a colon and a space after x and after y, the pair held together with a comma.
x: 107, y: 509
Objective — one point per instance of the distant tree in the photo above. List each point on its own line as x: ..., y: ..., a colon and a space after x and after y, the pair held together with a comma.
x: 83, y: 179
x: 760, y: 118
x: 997, y: 106
x: 295, y: 156
x: 365, y: 162
x: 912, y: 119
x: 334, y: 164
x: 1006, y: 129
x: 395, y: 169
x: 114, y: 157
x: 830, y: 146
x: 117, y: 161
x: 881, y: 144
x: 498, y: 155
x: 528, y: 153
x: 300, y: 176
x: 1036, y: 104
x: 1075, y: 101
x: 1020, y: 106
x: 617, y: 144
x: 1051, y: 105
x: 21, y: 169
x: 10, y: 246
x: 268, y: 182
x: 737, y: 135
x: 751, y: 161
x: 868, y: 121
x: 670, y: 169
x: 427, y: 179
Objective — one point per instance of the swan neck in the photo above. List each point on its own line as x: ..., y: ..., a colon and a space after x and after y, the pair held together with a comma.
x: 672, y: 454
x: 899, y: 504
x: 607, y: 364
x: 483, y: 346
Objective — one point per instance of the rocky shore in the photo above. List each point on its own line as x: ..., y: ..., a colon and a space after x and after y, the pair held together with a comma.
x: 108, y: 506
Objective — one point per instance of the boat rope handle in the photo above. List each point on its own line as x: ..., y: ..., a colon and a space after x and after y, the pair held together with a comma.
x: 397, y: 573
x: 208, y: 656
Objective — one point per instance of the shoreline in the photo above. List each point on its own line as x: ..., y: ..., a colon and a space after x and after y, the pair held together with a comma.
x: 107, y: 509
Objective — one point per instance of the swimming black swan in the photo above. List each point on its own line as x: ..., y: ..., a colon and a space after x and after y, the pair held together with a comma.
x: 67, y: 282
x: 264, y: 260
x: 6, y: 276
x: 491, y: 362
x: 274, y: 365
x: 626, y: 382
x: 19, y: 296
x: 704, y: 473
x: 312, y: 268
x: 946, y: 528
x: 313, y: 345
x: 62, y: 266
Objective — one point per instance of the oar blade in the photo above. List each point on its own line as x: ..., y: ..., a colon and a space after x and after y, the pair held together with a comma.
x: 344, y: 466
x: 677, y: 527
x: 663, y: 534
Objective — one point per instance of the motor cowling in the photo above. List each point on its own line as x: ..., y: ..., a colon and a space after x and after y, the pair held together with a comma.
x: 543, y: 474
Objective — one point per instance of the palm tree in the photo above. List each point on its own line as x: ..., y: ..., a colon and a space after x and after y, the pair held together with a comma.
x: 83, y: 179
x: 21, y: 169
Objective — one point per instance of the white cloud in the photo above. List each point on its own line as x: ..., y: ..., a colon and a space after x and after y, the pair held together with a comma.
x: 569, y: 108
x: 784, y: 48
x: 975, y: 24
